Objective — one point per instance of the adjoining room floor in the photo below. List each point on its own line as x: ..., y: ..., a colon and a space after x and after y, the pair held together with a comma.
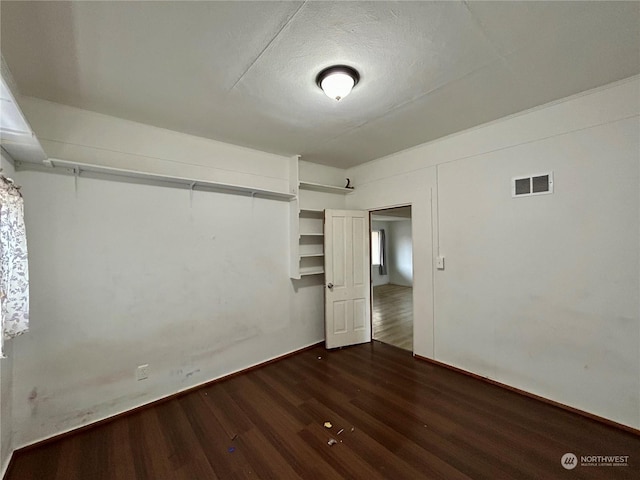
x: 393, y: 315
x: 392, y: 416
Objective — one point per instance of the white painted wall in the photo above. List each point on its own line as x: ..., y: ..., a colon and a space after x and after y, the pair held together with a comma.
x: 316, y: 173
x: 376, y: 278
x: 541, y: 293
x: 87, y: 137
x: 6, y: 416
x: 6, y: 368
x: 400, y: 253
x: 123, y: 274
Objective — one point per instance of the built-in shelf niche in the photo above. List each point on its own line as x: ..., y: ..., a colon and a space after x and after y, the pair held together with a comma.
x: 307, y: 221
x: 311, y: 265
x: 310, y: 222
x: 311, y: 245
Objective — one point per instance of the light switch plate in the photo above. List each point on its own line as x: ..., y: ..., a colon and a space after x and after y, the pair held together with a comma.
x: 440, y: 262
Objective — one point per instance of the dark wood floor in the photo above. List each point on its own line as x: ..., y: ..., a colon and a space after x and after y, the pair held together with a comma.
x: 400, y: 418
x: 393, y: 315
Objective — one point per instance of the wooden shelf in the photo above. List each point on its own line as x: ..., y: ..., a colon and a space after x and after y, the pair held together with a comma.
x: 311, y: 213
x: 306, y: 215
x: 319, y: 187
x: 311, y: 271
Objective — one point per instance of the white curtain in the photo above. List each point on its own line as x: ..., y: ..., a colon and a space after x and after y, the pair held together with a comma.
x: 14, y: 273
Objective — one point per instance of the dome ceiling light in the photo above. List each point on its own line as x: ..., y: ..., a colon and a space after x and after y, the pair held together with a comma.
x: 337, y: 81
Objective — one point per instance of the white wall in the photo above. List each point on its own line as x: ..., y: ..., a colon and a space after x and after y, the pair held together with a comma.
x: 87, y: 137
x: 376, y: 278
x: 6, y: 416
x: 400, y: 253
x: 316, y: 173
x: 6, y: 369
x: 541, y: 293
x: 123, y: 274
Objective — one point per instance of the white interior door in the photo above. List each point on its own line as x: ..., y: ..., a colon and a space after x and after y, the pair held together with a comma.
x: 347, y: 271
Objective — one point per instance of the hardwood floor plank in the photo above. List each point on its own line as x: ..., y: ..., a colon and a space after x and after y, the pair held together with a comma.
x: 382, y: 427
x: 185, y: 452
x: 392, y: 315
x: 281, y: 430
x: 225, y: 411
x: 36, y: 464
x: 69, y: 461
x: 491, y: 411
x: 90, y: 448
x: 364, y: 445
x: 120, y: 453
x: 212, y: 436
x: 411, y: 419
x: 344, y: 461
x: 155, y: 452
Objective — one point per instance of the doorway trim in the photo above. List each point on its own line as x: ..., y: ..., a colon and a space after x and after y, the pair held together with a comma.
x: 373, y: 211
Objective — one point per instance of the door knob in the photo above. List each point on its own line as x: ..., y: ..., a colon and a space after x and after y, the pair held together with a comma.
x: 330, y: 286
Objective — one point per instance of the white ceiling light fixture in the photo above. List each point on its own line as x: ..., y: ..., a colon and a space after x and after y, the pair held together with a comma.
x: 338, y: 81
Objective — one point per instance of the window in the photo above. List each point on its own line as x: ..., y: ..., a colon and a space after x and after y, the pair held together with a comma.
x: 375, y: 247
x: 378, y: 255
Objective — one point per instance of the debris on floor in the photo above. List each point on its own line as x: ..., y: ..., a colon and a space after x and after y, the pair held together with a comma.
x: 332, y: 441
x: 319, y: 358
x: 339, y: 432
x: 353, y: 429
x: 231, y: 449
x: 327, y: 425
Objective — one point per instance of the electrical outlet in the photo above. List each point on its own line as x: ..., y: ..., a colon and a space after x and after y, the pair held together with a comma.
x: 142, y: 373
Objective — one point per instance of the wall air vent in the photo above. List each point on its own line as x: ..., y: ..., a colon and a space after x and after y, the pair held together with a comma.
x: 540, y: 184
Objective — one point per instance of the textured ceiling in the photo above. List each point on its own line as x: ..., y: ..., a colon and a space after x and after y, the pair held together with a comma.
x: 244, y: 72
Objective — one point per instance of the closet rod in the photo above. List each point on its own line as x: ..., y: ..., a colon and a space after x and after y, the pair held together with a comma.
x: 78, y: 169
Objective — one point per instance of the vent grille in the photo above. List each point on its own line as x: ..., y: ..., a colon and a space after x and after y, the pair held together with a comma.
x: 540, y: 184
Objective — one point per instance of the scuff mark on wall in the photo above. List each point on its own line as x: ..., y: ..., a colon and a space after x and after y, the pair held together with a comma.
x: 33, y: 395
x: 226, y: 341
x: 33, y: 401
x: 95, y: 412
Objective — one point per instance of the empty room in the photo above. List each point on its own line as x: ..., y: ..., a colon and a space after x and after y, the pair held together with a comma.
x: 319, y: 239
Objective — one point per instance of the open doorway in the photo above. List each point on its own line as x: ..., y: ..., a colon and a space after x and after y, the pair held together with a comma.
x: 392, y: 277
